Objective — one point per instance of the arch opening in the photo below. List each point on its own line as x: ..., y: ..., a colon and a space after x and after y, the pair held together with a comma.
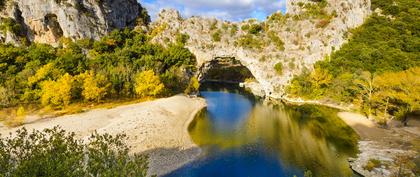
x: 224, y: 70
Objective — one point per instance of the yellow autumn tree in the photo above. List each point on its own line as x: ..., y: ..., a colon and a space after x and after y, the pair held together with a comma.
x: 399, y: 91
x: 57, y: 93
x: 148, y: 84
x: 320, y: 77
x: 94, y: 86
x: 47, y: 71
x: 193, y: 86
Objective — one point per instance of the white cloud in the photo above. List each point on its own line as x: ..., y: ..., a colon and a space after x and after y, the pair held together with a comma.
x: 225, y: 9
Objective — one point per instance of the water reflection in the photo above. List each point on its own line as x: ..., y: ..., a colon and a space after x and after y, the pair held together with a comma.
x: 242, y: 137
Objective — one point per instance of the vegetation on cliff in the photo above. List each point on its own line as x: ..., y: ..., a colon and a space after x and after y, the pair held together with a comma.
x: 377, y: 69
x: 91, y: 71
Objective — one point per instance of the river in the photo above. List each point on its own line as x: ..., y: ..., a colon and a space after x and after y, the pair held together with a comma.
x: 243, y: 136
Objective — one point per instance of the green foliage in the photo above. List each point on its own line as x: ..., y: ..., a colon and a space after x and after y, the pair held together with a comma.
x: 279, y: 68
x: 53, y: 152
x: 371, y: 164
x: 181, y: 39
x: 217, y: 36
x: 255, y: 29
x: 32, y: 74
x: 276, y: 40
x: 193, y: 86
x: 249, y: 41
x: 233, y: 29
x: 10, y: 25
x: 377, y: 68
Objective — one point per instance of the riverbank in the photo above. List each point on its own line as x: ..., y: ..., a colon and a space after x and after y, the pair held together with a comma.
x: 157, y: 128
x: 383, y: 152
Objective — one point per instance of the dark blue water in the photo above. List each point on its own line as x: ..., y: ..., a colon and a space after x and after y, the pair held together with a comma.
x: 244, y: 137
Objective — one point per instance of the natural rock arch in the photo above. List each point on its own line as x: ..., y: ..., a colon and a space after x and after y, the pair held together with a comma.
x: 224, y: 69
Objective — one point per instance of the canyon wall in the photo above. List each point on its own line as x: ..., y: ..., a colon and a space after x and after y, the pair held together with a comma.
x: 295, y: 40
x: 46, y: 21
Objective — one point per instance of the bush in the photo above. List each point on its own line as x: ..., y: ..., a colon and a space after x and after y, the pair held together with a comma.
x: 279, y: 68
x: 255, y: 29
x: 193, y: 86
x: 216, y: 36
x: 54, y: 152
x: 372, y: 164
x: 250, y: 42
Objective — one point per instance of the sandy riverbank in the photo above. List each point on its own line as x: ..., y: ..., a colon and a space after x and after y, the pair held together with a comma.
x: 389, y: 146
x: 158, y: 128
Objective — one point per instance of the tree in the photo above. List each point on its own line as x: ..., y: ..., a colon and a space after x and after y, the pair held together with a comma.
x: 366, y: 83
x: 193, y: 86
x: 148, y: 84
x: 57, y: 93
x: 5, y: 97
x: 94, y: 86
x: 399, y: 91
x: 320, y: 77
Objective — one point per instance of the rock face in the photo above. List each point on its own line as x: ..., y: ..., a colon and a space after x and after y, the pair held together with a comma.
x: 46, y: 21
x: 295, y: 41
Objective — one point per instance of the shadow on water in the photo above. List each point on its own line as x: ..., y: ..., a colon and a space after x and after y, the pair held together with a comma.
x: 245, y: 136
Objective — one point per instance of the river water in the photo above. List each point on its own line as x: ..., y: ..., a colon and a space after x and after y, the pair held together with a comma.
x: 243, y: 136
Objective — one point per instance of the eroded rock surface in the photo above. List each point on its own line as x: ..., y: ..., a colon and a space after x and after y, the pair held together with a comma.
x: 46, y: 21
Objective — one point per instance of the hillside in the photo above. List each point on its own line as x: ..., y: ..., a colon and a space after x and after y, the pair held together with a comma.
x: 377, y: 70
x: 43, y: 21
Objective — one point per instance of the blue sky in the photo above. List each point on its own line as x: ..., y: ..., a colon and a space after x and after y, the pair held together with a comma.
x: 233, y: 10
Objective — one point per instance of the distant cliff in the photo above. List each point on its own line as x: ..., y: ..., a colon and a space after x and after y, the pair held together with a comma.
x: 46, y: 21
x: 273, y: 50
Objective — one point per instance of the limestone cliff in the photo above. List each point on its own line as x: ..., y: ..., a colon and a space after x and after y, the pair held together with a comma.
x: 309, y: 32
x: 46, y: 21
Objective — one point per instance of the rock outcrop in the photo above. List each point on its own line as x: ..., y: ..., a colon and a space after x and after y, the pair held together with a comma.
x: 295, y: 41
x: 46, y: 21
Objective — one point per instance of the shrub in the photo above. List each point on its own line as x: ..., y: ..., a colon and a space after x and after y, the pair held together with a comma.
x: 5, y: 97
x: 276, y: 40
x: 216, y: 36
x: 10, y: 25
x: 148, y: 84
x: 250, y: 42
x: 193, y: 86
x: 255, y: 29
x: 54, y: 152
x: 279, y: 68
x: 371, y: 164
x: 182, y: 39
